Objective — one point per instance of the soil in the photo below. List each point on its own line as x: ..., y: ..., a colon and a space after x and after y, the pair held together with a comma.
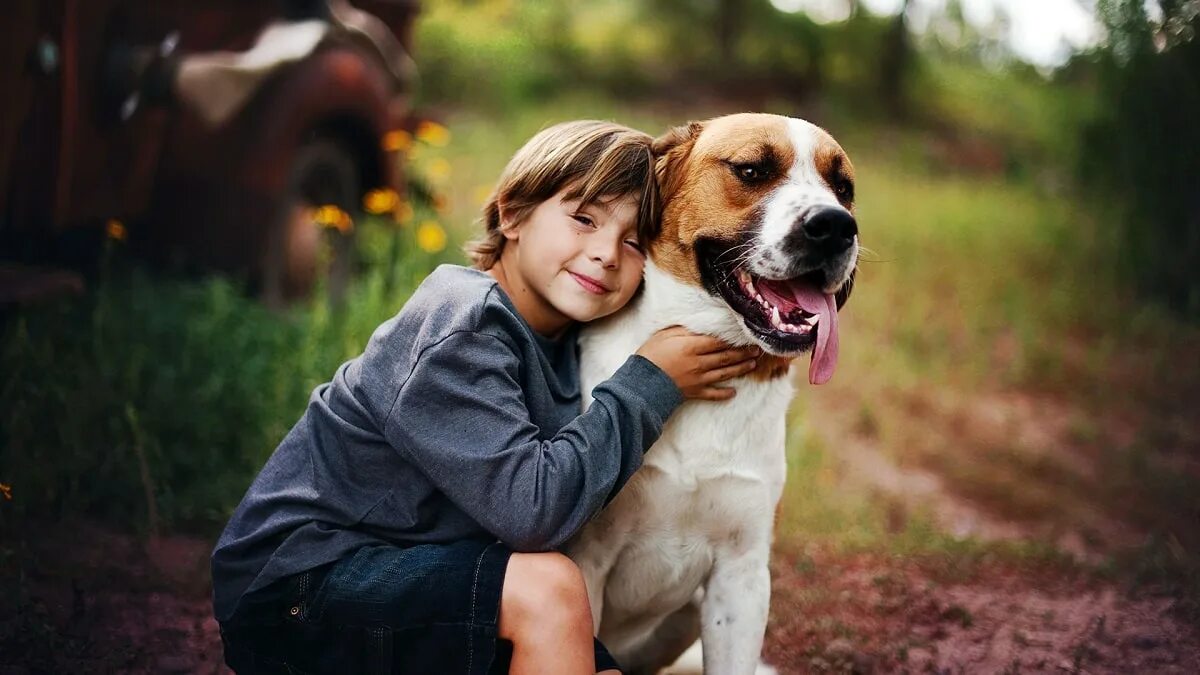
x: 870, y: 614
x: 96, y: 600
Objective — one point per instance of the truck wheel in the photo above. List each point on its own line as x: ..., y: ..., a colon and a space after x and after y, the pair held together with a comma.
x: 323, y: 173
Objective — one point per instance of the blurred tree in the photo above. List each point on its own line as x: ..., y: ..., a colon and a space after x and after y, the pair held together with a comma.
x: 1142, y: 149
x: 894, y: 64
x: 728, y: 23
x: 503, y: 53
x: 680, y: 20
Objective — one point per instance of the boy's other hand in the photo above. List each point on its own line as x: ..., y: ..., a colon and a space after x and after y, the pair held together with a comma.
x: 698, y: 362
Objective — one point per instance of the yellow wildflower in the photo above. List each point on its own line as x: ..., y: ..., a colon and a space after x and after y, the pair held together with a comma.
x: 431, y: 237
x: 397, y: 140
x: 116, y: 229
x: 383, y: 200
x: 433, y: 133
x: 329, y: 215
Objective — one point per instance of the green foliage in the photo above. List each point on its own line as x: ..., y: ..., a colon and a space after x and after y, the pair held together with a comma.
x: 493, y: 53
x: 193, y: 378
x: 1141, y: 148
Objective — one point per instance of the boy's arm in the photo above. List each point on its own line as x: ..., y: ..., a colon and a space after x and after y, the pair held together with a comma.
x: 461, y: 417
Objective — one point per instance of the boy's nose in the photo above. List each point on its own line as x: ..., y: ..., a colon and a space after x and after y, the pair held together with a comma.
x: 606, y: 254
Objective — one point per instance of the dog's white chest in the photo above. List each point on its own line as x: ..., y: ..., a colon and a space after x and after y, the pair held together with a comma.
x: 708, y: 487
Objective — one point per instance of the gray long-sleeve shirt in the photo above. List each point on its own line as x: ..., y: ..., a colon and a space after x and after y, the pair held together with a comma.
x: 458, y: 421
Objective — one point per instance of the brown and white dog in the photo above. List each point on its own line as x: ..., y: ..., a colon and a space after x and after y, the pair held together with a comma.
x: 758, y: 246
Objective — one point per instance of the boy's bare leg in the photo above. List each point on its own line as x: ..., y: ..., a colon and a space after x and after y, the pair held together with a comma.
x: 544, y: 612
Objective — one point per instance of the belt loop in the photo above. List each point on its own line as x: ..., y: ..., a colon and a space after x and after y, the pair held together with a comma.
x: 379, y: 650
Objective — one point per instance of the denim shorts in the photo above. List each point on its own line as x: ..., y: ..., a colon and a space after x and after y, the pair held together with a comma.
x: 383, y: 609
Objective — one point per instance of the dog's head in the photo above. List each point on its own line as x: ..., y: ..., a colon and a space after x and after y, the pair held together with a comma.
x: 759, y: 211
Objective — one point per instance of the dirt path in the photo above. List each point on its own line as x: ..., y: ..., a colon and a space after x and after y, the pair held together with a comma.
x: 871, y: 614
x: 99, y: 601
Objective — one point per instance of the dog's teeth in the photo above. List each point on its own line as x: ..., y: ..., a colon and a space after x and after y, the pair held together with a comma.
x: 804, y: 329
x: 775, y: 317
x: 812, y: 320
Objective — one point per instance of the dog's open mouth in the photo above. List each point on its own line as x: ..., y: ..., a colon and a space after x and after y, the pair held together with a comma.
x: 789, y: 316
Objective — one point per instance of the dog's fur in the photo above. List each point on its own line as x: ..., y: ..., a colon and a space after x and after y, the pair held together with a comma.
x: 682, y: 551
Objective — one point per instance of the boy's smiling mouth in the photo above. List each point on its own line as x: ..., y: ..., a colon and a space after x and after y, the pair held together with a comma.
x: 589, y: 284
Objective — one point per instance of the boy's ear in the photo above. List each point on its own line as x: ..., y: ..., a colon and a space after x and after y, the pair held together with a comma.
x: 671, y: 151
x: 504, y: 214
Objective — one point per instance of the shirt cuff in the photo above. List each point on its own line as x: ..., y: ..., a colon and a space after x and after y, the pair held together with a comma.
x: 651, y: 384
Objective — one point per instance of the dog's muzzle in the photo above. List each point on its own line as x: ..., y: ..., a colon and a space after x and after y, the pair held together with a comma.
x: 821, y: 242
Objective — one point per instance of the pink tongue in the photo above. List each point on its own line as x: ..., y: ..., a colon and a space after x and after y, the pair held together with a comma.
x: 825, y: 353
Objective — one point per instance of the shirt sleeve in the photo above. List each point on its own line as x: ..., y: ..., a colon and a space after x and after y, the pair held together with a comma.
x: 462, y: 419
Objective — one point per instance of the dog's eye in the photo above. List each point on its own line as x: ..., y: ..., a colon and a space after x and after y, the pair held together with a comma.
x: 749, y: 173
x: 844, y: 189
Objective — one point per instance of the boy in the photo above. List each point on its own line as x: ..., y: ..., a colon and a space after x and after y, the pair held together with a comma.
x: 380, y: 535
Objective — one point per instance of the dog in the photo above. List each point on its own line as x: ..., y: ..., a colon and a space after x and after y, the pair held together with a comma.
x: 758, y: 245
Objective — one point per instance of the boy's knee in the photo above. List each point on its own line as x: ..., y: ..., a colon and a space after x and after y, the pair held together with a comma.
x: 549, y: 578
x: 545, y: 585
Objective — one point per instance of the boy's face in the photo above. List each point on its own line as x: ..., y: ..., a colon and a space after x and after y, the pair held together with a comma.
x: 570, y: 262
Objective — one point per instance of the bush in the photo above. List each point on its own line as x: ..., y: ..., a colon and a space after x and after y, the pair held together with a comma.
x: 153, y: 401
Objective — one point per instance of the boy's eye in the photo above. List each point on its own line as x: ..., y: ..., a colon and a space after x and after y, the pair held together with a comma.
x: 583, y: 220
x: 635, y: 245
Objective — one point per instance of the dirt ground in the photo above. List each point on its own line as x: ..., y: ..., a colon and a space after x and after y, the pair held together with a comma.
x: 872, y: 614
x: 101, y: 601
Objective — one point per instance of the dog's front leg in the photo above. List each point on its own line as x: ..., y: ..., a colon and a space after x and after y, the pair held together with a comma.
x: 734, y: 611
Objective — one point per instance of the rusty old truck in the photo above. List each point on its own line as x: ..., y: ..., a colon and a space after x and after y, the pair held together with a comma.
x: 202, y: 132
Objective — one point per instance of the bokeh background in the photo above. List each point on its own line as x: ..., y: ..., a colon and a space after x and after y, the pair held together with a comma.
x: 1004, y: 474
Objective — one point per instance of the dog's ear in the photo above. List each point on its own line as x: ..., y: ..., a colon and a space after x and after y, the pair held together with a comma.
x: 670, y: 150
x: 675, y: 137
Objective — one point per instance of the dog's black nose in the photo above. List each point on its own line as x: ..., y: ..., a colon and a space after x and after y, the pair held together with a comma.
x: 831, y: 230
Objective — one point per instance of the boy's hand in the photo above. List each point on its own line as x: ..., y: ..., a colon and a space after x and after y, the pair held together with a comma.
x: 697, y: 362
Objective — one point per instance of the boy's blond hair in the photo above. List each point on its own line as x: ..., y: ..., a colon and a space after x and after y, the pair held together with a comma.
x: 596, y: 160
